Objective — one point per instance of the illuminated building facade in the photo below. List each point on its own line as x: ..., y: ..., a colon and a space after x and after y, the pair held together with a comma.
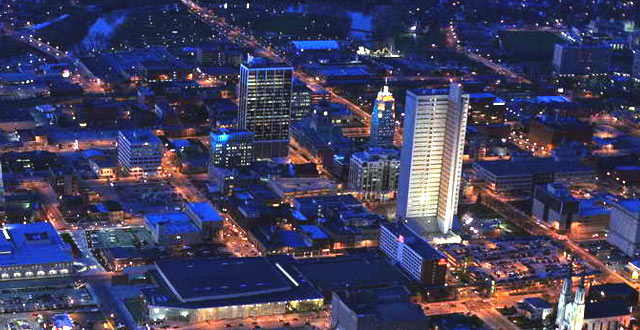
x: 431, y: 160
x: 139, y: 152
x: 217, y: 289
x: 265, y: 106
x: 31, y: 251
x: 419, y: 259
x: 231, y: 148
x: 383, y: 119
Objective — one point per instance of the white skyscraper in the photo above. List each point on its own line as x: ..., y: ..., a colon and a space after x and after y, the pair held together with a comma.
x: 431, y: 161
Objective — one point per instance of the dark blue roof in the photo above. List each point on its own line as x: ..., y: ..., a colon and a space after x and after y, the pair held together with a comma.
x: 228, y: 282
x: 537, y: 302
x: 533, y: 166
x: 604, y: 309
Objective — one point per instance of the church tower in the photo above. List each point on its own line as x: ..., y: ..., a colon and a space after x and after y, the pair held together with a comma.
x: 579, y: 306
x: 564, y: 300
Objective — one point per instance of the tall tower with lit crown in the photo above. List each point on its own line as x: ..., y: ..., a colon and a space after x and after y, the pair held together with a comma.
x: 383, y: 119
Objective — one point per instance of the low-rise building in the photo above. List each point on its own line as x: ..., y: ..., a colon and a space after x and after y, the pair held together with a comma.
x: 580, y: 218
x: 534, y: 308
x: 192, y: 291
x: 581, y: 59
x: 550, y: 131
x: 206, y: 218
x: 485, y: 109
x: 414, y: 255
x: 31, y: 251
x: 290, y: 188
x: 172, y: 228
x: 518, y: 177
x: 376, y: 309
x: 108, y: 211
x: 103, y: 168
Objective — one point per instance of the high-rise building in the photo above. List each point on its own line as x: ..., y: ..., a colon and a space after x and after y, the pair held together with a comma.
x: 383, y: 119
x: 231, y: 148
x: 373, y: 173
x: 139, y: 152
x: 300, y: 102
x: 431, y: 161
x: 265, y: 105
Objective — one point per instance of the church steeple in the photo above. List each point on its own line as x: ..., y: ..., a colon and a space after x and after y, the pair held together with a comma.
x: 579, y: 307
x: 580, y: 293
x: 564, y: 300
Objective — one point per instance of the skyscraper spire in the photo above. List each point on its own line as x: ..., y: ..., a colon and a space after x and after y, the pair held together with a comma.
x: 383, y: 119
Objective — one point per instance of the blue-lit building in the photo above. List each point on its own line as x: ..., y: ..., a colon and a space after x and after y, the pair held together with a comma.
x: 29, y: 251
x: 383, y: 119
x: 172, y: 228
x: 231, y: 148
x: 206, y: 218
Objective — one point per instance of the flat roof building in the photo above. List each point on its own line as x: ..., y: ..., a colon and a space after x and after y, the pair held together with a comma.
x: 374, y: 309
x: 206, y: 218
x: 231, y: 148
x: 34, y: 250
x: 216, y: 289
x: 139, y: 152
x: 519, y: 176
x: 624, y: 226
x: 414, y: 255
x: 172, y: 228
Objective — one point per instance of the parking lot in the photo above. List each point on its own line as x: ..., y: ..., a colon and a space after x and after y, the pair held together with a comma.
x: 33, y: 321
x: 45, y: 297
x: 119, y: 237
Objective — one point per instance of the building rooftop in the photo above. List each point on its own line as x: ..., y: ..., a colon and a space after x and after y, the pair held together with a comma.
x: 531, y: 166
x: 631, y: 205
x: 34, y: 243
x: 329, y: 274
x: 429, y: 91
x: 140, y: 136
x: 377, y: 153
x: 387, y: 305
x: 263, y: 63
x: 411, y: 239
x: 202, y: 283
x: 205, y: 211
x: 612, y: 290
x: 604, y: 309
x: 170, y: 222
x: 314, y: 232
x: 537, y: 302
x: 302, y: 45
